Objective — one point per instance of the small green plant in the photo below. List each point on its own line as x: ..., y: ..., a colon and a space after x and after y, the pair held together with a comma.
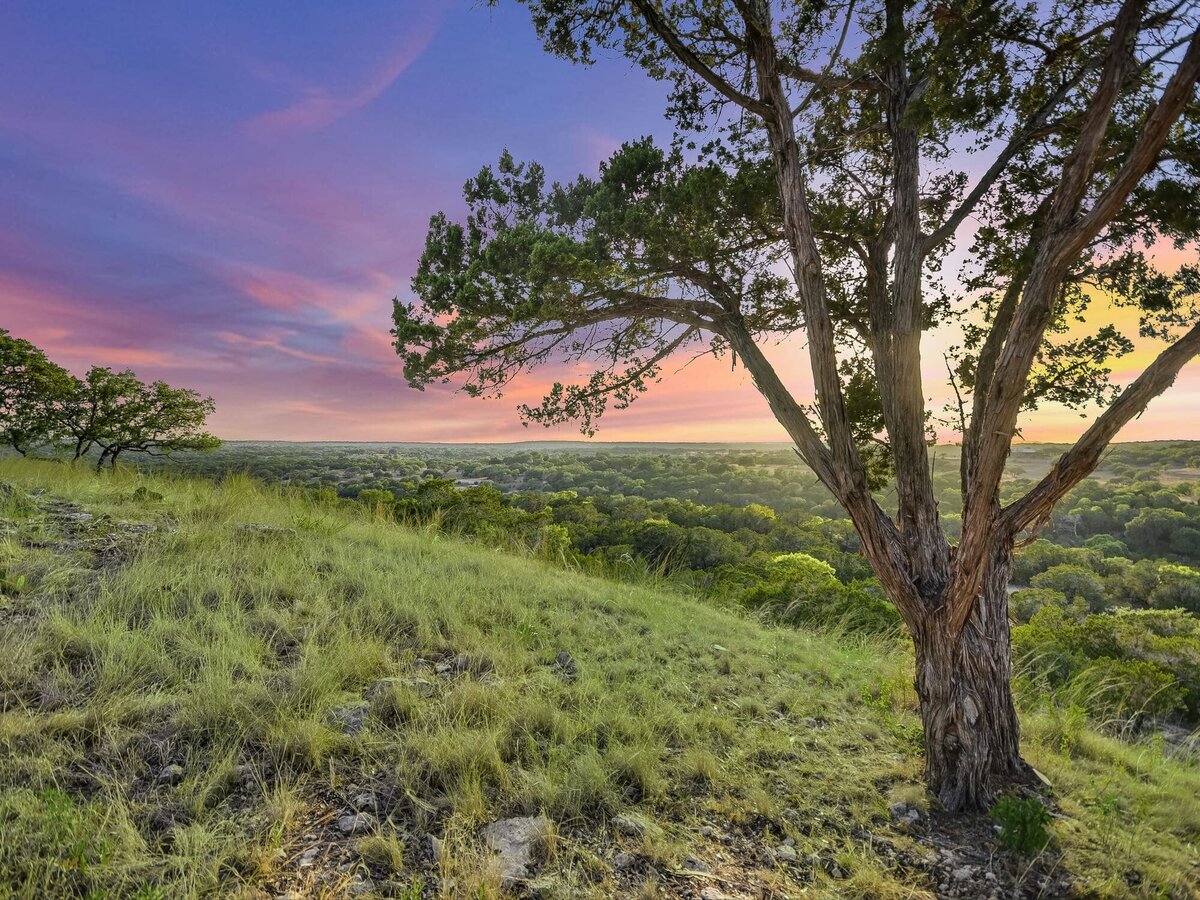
x: 1022, y: 823
x: 12, y: 585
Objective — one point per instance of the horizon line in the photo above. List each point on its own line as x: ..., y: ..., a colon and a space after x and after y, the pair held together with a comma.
x: 587, y: 443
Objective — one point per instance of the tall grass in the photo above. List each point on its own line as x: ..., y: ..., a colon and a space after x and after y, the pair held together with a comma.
x: 234, y: 654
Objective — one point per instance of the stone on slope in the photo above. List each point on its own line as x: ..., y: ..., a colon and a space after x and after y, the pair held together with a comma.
x: 514, y: 841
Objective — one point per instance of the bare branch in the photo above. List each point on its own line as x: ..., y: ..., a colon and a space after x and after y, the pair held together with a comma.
x: 1179, y: 91
x: 823, y: 78
x: 1020, y: 139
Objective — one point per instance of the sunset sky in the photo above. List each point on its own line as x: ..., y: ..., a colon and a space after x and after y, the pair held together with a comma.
x: 228, y: 195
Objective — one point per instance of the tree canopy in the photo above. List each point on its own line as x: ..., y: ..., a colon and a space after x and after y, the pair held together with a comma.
x: 32, y: 389
x: 42, y: 405
x: 857, y: 171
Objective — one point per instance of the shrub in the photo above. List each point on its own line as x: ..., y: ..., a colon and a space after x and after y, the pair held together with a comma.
x: 1022, y: 823
x: 1024, y: 604
x: 1042, y: 555
x: 1073, y: 582
x: 1151, y: 530
x: 1129, y: 689
x: 1107, y: 546
x: 1124, y: 664
x: 800, y: 589
x: 1178, y: 588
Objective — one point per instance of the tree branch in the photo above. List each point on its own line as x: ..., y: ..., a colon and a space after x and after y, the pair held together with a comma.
x: 1081, y: 460
x: 1178, y: 92
x: 1019, y: 140
x: 690, y: 59
x: 823, y: 78
x: 1007, y: 390
x: 881, y: 542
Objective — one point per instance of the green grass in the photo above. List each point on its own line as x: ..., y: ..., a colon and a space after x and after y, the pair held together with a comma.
x: 225, y: 651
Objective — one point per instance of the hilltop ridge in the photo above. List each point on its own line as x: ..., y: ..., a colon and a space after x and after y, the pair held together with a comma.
x: 232, y: 689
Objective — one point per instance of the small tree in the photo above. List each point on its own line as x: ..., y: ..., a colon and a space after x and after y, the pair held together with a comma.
x: 816, y: 185
x: 99, y: 405
x: 32, y: 393
x: 127, y: 416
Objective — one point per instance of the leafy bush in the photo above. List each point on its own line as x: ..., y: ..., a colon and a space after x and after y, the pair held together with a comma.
x: 1127, y: 664
x: 1022, y: 823
x: 1178, y: 588
x: 802, y: 589
x: 1130, y: 689
x: 1024, y: 604
x: 1042, y: 555
x: 1073, y: 582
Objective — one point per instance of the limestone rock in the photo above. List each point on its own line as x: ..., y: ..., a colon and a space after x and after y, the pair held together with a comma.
x: 627, y: 826
x: 172, y: 774
x: 514, y: 841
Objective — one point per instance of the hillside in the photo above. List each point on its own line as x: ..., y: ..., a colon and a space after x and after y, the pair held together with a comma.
x: 229, y: 690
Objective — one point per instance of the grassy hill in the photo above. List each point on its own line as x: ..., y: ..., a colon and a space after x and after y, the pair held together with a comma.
x: 228, y: 690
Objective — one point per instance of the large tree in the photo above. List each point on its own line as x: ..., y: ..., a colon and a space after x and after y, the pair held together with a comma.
x: 858, y: 172
x: 32, y: 392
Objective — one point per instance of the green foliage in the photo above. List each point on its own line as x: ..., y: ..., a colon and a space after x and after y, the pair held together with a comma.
x: 44, y: 406
x: 1073, y: 582
x: 1129, y: 665
x: 1178, y: 588
x: 800, y: 589
x: 1153, y: 530
x: 1024, y: 604
x: 1129, y: 689
x: 534, y: 261
x: 1042, y: 555
x: 1022, y: 823
x: 32, y: 392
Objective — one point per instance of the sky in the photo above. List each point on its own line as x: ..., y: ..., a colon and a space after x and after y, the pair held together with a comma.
x: 227, y: 196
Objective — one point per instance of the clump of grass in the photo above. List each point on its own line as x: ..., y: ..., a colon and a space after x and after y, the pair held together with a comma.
x: 383, y: 852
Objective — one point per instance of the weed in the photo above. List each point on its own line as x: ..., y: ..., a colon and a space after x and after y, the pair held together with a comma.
x: 1022, y: 823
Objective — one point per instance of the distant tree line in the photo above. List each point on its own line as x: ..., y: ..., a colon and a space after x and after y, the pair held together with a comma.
x: 44, y: 407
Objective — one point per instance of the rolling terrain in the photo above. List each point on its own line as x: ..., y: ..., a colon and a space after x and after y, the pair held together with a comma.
x: 233, y: 690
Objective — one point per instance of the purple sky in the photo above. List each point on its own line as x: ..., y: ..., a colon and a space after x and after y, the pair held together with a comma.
x: 228, y: 195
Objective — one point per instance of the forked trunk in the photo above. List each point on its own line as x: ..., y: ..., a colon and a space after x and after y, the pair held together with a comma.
x: 972, y: 737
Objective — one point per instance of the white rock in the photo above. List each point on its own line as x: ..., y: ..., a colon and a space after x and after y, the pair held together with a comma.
x: 514, y: 841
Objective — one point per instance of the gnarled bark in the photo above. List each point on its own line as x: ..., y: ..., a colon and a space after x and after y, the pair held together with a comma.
x: 972, y: 736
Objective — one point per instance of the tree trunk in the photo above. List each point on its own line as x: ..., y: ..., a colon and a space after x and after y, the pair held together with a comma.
x: 972, y: 737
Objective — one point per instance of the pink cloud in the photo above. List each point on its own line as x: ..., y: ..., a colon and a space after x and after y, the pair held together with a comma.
x: 275, y: 342
x: 290, y: 292
x: 595, y: 146
x: 372, y: 344
x: 307, y: 408
x: 319, y: 106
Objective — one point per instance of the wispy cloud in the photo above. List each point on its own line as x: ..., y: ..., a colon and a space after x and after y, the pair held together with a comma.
x: 319, y: 106
x: 349, y: 301
x: 275, y: 343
